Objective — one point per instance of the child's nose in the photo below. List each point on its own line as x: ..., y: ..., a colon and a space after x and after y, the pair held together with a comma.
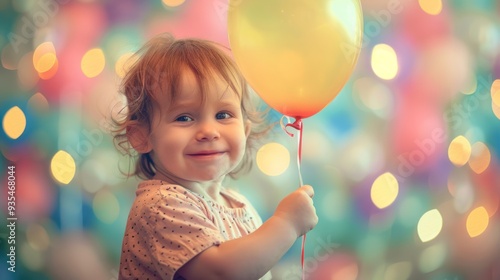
x: 207, y: 132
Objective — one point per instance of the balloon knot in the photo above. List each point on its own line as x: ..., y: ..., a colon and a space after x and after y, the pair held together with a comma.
x: 297, y: 124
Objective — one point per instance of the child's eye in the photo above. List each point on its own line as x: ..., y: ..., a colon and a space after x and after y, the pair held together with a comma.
x: 222, y: 115
x: 184, y: 119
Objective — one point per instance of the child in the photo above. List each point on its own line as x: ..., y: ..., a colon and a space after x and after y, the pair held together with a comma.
x: 191, y: 121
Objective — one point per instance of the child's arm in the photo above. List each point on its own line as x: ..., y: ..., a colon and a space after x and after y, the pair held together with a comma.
x: 252, y: 256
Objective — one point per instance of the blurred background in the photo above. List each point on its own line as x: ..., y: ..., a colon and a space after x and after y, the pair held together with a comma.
x: 405, y: 161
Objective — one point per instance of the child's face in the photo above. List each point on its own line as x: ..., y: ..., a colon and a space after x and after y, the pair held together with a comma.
x: 199, y: 141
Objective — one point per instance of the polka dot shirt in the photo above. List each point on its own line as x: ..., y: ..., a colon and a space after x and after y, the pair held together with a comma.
x: 168, y: 225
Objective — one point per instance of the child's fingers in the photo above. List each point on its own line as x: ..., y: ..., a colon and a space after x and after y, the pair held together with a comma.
x: 308, y: 190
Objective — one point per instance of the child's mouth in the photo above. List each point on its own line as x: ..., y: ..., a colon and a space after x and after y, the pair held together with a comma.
x: 206, y: 154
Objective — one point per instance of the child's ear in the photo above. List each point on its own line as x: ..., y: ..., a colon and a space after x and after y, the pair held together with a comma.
x: 138, y: 137
x: 248, y: 127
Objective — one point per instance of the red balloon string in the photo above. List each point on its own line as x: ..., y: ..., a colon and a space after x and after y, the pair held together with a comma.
x: 298, y: 126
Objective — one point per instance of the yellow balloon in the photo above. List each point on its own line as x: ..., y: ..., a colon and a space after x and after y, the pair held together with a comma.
x: 296, y: 54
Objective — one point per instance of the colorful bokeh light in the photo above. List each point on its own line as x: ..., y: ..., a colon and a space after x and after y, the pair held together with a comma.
x: 384, y: 190
x: 384, y: 61
x: 14, y: 122
x: 63, y: 167
x: 480, y: 157
x: 477, y: 221
x: 273, y: 159
x: 432, y: 7
x: 106, y: 206
x: 93, y: 63
x: 459, y: 151
x: 430, y: 225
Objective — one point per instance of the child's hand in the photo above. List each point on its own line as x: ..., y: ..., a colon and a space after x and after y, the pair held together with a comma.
x: 297, y: 209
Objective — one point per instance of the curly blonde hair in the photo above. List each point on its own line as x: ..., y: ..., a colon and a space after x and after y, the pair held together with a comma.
x: 158, y: 70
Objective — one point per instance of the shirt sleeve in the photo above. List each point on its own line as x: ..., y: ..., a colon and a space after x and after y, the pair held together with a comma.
x: 180, y: 227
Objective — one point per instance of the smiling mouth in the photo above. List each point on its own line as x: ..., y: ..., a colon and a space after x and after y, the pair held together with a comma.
x: 206, y: 154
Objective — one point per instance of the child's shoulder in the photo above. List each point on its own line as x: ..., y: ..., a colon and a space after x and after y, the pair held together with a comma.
x: 154, y: 196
